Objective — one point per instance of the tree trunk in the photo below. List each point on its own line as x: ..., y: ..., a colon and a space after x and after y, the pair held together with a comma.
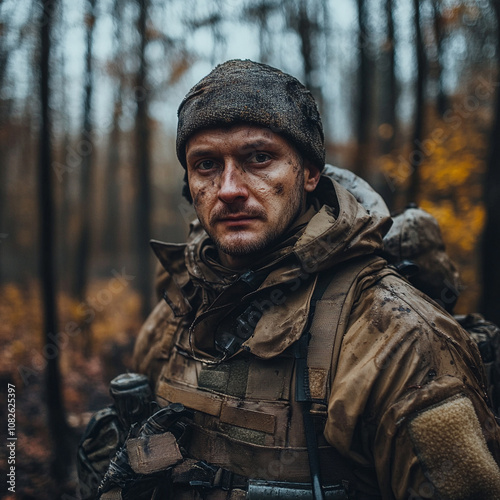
x: 110, y: 239
x: 65, y: 254
x: 441, y: 99
x: 388, y: 127
x: 388, y: 111
x: 59, y: 431
x: 5, y: 112
x: 111, y: 226
x: 260, y: 13
x: 143, y: 165
x: 85, y: 149
x: 66, y: 209
x: 364, y: 89
x: 491, y: 234
x: 307, y: 29
x: 417, y: 153
x: 86, y: 205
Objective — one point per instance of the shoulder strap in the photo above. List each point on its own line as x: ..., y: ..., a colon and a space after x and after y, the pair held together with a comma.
x: 329, y: 319
x: 317, y: 350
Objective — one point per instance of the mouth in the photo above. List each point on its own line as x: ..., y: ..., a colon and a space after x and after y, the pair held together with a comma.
x: 236, y: 216
x: 236, y: 220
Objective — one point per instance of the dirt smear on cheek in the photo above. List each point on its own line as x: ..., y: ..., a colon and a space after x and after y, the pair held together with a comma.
x: 279, y: 189
x: 199, y: 196
x: 295, y: 166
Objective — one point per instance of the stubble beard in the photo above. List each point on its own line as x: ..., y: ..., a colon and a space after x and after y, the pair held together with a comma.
x: 241, y: 248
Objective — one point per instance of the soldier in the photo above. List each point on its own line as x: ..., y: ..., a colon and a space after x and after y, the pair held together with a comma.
x: 415, y: 246
x: 312, y: 368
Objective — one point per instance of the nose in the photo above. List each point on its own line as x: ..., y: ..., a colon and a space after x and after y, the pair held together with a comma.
x: 233, y: 185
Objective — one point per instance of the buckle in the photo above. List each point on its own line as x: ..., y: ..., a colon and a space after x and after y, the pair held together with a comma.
x: 227, y: 480
x: 208, y: 475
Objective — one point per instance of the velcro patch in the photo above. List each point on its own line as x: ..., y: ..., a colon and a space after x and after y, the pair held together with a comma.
x: 154, y: 453
x: 452, y: 449
x: 114, y: 494
x: 318, y: 383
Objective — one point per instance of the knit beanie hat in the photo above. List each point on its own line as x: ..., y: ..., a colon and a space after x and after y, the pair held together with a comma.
x: 245, y: 91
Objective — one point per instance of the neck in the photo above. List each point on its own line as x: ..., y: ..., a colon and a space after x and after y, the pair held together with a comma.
x: 236, y: 263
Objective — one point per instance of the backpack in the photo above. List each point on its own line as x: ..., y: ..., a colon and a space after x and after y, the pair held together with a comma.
x: 415, y: 247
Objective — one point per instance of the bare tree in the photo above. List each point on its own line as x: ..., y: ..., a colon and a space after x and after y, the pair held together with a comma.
x: 388, y: 98
x: 418, y: 130
x: 364, y: 93
x: 389, y: 87
x: 439, y: 34
x: 4, y: 47
x: 143, y: 164
x: 86, y: 145
x: 111, y: 227
x: 6, y: 51
x: 491, y: 234
x: 307, y: 29
x: 304, y: 19
x: 4, y: 113
x: 259, y: 13
x: 59, y: 430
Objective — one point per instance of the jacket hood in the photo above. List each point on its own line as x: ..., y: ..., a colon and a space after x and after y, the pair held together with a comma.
x: 341, y: 230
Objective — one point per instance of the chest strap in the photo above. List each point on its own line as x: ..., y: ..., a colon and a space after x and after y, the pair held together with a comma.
x: 317, y: 351
x: 333, y: 298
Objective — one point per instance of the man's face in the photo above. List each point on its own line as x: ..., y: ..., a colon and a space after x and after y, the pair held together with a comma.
x: 248, y: 186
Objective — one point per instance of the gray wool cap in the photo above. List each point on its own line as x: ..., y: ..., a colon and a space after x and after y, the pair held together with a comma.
x: 245, y: 91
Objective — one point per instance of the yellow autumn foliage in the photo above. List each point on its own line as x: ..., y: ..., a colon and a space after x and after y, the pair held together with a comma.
x: 98, y: 325
x: 450, y: 188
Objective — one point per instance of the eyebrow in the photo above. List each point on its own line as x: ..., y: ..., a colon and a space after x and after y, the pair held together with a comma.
x: 257, y: 144
x: 200, y: 152
x: 254, y: 145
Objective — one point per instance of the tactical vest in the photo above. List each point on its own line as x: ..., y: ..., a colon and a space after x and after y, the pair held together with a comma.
x: 247, y: 419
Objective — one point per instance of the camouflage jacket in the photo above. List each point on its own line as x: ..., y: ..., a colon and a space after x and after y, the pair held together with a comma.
x: 406, y: 412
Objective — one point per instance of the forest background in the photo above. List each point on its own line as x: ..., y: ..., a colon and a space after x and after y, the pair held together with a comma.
x: 89, y: 89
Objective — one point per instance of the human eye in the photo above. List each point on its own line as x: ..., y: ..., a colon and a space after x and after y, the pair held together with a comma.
x: 205, y: 165
x: 260, y: 157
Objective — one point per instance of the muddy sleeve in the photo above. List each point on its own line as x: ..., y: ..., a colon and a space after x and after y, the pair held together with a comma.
x: 408, y: 403
x: 438, y: 442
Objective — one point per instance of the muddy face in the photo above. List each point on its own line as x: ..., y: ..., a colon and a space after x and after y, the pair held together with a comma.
x: 248, y: 186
